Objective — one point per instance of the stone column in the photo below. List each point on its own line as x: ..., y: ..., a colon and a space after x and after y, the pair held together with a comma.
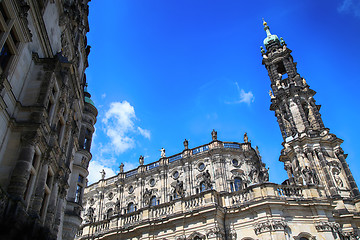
x: 316, y: 112
x: 59, y: 214
x: 287, y: 167
x: 329, y: 182
x: 50, y: 216
x: 21, y: 173
x: 281, y: 124
x: 40, y: 188
x: 354, y: 189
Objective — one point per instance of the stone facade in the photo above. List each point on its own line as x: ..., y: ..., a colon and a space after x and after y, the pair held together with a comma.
x: 220, y: 190
x: 47, y: 117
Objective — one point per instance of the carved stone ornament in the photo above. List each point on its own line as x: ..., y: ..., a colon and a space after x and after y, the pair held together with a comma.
x: 196, y: 234
x: 350, y: 235
x: 328, y: 227
x: 181, y: 237
x: 269, y: 226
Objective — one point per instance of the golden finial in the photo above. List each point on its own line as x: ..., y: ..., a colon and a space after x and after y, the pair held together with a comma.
x: 264, y: 23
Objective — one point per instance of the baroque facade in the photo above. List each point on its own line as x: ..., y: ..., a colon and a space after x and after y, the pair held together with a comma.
x: 220, y: 190
x: 47, y: 117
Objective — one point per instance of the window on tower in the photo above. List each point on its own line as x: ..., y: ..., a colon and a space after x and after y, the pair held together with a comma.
x: 281, y: 68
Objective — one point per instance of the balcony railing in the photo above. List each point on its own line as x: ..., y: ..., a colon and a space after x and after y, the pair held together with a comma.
x: 175, y: 158
x: 131, y: 173
x: 153, y: 165
x: 200, y: 149
x: 231, y: 145
x: 205, y: 200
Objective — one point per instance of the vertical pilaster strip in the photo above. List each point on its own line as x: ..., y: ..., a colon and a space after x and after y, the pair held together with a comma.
x: 354, y: 187
x: 324, y: 167
x: 21, y: 173
x: 40, y: 188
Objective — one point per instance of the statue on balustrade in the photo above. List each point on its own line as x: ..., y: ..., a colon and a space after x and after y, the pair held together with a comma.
x: 121, y: 168
x: 141, y: 160
x: 90, y: 215
x: 246, y: 138
x: 214, y: 135
x: 186, y: 144
x: 103, y: 173
x: 163, y: 155
x: 264, y: 174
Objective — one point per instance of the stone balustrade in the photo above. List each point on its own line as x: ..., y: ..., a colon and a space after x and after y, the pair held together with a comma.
x: 210, y: 198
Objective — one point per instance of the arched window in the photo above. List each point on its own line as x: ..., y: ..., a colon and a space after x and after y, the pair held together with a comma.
x: 237, y: 183
x: 197, y: 238
x: 304, y: 238
x: 153, y: 201
x: 202, y: 187
x: 109, y: 213
x: 131, y: 207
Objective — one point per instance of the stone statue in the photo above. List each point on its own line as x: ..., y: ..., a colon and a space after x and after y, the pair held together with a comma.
x: 147, y: 196
x: 288, y: 127
x: 307, y: 175
x: 271, y: 94
x: 117, y: 205
x: 162, y: 150
x: 338, y: 181
x: 186, y: 144
x: 304, y: 81
x: 121, y: 168
x: 207, y: 179
x: 314, y: 177
x: 255, y: 175
x: 312, y: 119
x: 278, y: 85
x: 246, y: 139
x: 257, y: 150
x: 103, y: 173
x: 179, y: 188
x: 214, y: 135
x: 90, y: 215
x: 141, y: 160
x: 264, y: 173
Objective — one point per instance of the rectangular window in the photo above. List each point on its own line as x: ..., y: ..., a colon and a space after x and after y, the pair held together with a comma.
x: 80, y: 179
x: 3, y: 12
x: 78, y: 194
x: 5, y: 56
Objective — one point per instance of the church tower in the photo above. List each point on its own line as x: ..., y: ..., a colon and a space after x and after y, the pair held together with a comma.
x: 311, y: 154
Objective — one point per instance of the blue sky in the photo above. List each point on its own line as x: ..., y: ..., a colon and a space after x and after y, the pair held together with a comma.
x: 165, y: 70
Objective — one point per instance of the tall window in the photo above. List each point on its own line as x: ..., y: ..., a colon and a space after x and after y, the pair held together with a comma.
x: 237, y: 184
x: 202, y: 187
x: 48, y: 187
x: 31, y: 181
x: 153, y: 201
x: 79, y: 189
x: 9, y: 40
x: 131, y: 207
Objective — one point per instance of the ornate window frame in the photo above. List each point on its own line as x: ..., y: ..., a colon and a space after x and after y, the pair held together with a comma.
x: 305, y: 235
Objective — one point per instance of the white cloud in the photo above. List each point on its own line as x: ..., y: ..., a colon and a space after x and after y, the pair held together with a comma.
x: 244, y: 97
x: 119, y: 126
x: 350, y: 6
x: 103, y: 95
x: 144, y: 132
x: 94, y: 172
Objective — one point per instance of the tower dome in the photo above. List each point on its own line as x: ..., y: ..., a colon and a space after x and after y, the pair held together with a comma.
x: 270, y: 37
